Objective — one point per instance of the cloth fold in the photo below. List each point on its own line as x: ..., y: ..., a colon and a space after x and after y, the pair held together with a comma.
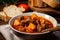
x: 7, y: 33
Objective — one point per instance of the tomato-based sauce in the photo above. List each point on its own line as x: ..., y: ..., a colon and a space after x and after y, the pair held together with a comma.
x: 31, y: 24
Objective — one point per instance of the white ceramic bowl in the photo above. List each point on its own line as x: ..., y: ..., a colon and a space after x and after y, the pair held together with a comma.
x: 53, y: 20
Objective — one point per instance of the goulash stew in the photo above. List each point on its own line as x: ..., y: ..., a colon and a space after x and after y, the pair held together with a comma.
x: 31, y: 24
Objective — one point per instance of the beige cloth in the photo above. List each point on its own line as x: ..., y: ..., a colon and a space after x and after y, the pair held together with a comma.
x: 7, y: 33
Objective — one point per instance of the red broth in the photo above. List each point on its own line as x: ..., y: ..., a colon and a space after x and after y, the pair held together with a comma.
x: 31, y: 24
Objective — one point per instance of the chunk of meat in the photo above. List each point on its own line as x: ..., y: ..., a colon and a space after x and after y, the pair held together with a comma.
x: 34, y: 22
x: 48, y: 24
x: 42, y: 23
x: 25, y: 22
x: 17, y: 27
x: 22, y: 28
x: 22, y: 18
x: 30, y: 28
x: 26, y: 17
x: 39, y: 28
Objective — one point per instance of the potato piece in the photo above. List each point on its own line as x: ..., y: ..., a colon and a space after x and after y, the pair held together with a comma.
x: 34, y: 16
x: 31, y: 27
x: 16, y: 22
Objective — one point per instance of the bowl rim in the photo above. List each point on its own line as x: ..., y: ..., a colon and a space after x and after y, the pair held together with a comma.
x: 26, y: 32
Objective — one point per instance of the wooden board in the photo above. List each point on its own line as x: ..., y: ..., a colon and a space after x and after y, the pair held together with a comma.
x: 44, y: 10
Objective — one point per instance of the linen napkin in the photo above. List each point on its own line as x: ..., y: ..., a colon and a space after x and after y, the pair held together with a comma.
x: 7, y: 33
